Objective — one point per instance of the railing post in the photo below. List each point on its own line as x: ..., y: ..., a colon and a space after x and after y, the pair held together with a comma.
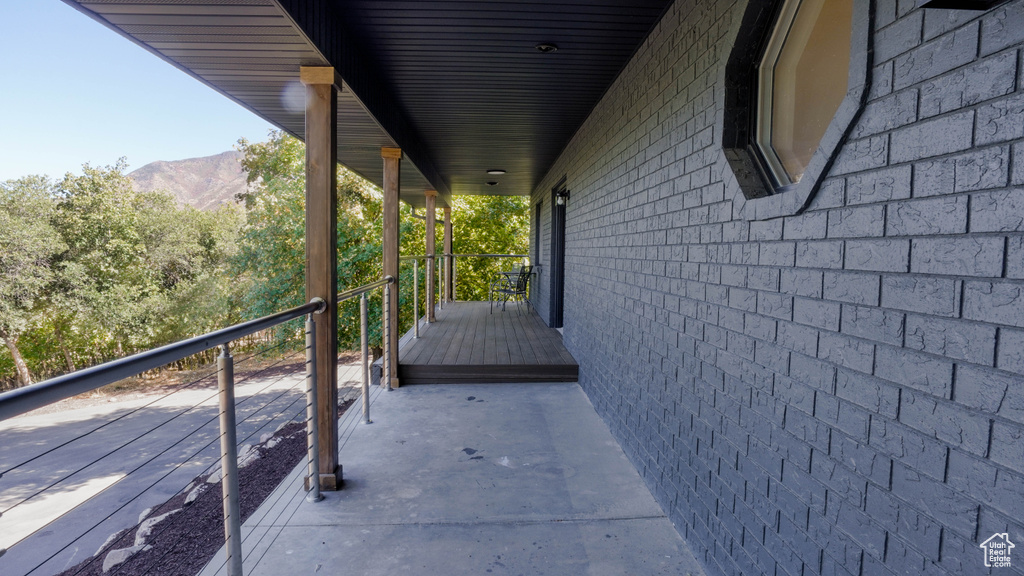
x: 386, y: 365
x: 229, y: 461
x: 312, y: 417
x: 416, y: 298
x: 364, y: 348
x: 455, y: 276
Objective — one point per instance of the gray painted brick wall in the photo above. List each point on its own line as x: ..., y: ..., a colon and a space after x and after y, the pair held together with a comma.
x: 836, y: 392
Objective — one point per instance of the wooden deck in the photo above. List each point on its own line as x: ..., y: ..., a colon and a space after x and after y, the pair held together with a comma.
x: 469, y: 344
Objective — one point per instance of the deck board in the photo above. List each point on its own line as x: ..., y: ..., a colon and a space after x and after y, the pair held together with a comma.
x: 469, y: 343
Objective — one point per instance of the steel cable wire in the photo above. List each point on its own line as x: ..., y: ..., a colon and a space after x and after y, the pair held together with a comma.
x: 147, y: 405
x: 174, y: 468
x: 124, y: 445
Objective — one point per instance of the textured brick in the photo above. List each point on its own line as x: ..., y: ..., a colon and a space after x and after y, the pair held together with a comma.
x: 999, y: 211
x: 813, y: 372
x: 999, y: 489
x: 903, y: 522
x: 962, y: 256
x: 938, y: 22
x: 937, y: 56
x: 944, y: 215
x: 1017, y: 177
x: 1001, y: 28
x: 878, y: 255
x: 1000, y: 120
x: 952, y: 339
x: 917, y: 451
x: 873, y: 324
x: 996, y: 302
x: 860, y: 222
x: 887, y: 113
x: 879, y: 186
x: 945, y: 421
x: 852, y: 287
x: 1008, y: 445
x: 821, y: 254
x: 778, y: 254
x: 982, y: 169
x: 785, y: 446
x: 900, y: 37
x: 808, y: 283
x: 1015, y: 257
x: 950, y: 508
x: 816, y: 313
x: 798, y: 338
x: 1010, y: 354
x: 806, y: 225
x: 937, y: 296
x: 934, y: 177
x: 983, y: 80
x: 918, y: 371
x: 846, y: 352
x: 993, y: 392
x: 943, y: 135
x: 874, y: 394
x: 862, y: 154
x: 860, y: 458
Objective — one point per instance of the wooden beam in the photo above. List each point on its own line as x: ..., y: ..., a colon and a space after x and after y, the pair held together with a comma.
x: 392, y: 159
x: 446, y: 290
x: 431, y: 252
x: 321, y: 263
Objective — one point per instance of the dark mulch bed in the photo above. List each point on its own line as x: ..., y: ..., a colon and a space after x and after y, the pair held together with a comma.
x: 183, y: 543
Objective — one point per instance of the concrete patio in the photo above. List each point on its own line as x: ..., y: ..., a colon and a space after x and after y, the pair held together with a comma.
x: 470, y: 479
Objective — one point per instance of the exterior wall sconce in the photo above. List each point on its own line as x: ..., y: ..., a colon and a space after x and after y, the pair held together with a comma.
x: 959, y: 4
x: 561, y: 197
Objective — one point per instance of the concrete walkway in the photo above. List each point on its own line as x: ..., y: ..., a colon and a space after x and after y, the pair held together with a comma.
x: 471, y: 479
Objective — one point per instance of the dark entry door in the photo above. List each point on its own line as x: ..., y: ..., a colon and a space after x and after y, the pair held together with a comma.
x: 558, y: 197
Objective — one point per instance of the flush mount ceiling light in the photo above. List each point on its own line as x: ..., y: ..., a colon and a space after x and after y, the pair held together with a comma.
x: 546, y: 47
x: 492, y: 183
x: 496, y: 171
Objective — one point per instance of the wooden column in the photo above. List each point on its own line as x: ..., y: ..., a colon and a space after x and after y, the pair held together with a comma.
x: 446, y: 290
x: 392, y: 160
x: 431, y: 251
x: 321, y: 256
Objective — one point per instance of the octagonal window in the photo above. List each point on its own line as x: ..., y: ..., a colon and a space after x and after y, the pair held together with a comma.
x: 802, y: 80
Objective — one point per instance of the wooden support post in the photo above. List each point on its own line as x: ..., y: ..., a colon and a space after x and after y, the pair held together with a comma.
x: 392, y: 160
x: 321, y: 256
x: 446, y: 290
x: 431, y: 251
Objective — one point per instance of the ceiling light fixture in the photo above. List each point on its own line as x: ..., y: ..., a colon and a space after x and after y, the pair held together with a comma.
x: 496, y: 171
x: 546, y: 47
x: 492, y: 183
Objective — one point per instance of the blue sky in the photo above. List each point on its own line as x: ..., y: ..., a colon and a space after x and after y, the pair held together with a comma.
x: 74, y: 91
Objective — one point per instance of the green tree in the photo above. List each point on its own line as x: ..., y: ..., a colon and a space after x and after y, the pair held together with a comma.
x: 28, y: 244
x: 487, y: 225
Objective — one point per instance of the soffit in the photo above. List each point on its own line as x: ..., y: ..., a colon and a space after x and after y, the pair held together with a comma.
x: 458, y: 85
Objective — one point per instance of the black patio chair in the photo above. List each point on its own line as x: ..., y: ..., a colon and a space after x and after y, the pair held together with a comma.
x: 510, y: 287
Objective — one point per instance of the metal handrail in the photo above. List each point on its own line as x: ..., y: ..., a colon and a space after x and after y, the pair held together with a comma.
x: 53, y: 390
x: 365, y: 288
x: 21, y: 400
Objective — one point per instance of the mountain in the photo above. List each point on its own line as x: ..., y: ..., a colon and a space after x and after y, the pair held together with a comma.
x: 204, y: 183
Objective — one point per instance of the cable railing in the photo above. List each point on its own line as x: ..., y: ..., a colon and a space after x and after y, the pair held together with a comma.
x: 450, y: 263
x: 137, y: 426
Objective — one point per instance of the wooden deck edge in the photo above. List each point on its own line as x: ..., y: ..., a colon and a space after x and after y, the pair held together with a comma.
x: 485, y: 374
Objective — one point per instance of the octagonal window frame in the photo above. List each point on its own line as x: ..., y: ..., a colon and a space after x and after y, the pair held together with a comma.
x: 757, y: 194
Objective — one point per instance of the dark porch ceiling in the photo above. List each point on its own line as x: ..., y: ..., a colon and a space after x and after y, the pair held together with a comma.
x: 457, y: 84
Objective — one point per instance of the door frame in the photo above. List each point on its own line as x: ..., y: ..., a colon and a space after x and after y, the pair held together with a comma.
x: 557, y: 291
